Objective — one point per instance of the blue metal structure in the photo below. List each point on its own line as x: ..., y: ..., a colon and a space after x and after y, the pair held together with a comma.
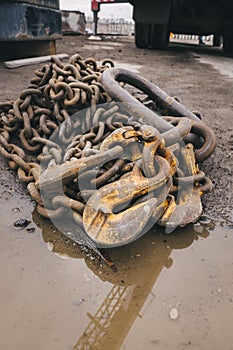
x: 35, y: 22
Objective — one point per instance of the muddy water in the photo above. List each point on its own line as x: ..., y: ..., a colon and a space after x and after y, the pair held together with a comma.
x: 170, y: 291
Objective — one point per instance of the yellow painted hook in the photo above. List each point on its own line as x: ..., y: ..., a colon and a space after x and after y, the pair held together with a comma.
x: 108, y: 229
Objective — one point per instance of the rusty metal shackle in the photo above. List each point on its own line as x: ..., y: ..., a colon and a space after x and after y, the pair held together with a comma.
x: 112, y: 76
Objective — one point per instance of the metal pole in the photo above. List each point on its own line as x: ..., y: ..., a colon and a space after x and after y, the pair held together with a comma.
x: 95, y: 19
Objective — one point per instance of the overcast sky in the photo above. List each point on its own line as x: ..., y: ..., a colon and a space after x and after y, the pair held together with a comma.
x: 106, y: 10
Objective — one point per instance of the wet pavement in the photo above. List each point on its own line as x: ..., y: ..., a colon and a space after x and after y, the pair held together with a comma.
x: 169, y: 292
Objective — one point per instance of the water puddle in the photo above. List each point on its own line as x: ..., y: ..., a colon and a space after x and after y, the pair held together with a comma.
x: 170, y: 291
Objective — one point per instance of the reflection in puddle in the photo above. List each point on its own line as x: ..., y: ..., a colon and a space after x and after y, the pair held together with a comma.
x: 173, y: 291
x: 138, y: 268
x: 50, y: 247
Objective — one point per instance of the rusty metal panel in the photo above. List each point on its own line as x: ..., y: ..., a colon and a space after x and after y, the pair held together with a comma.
x: 73, y: 22
x: 21, y: 21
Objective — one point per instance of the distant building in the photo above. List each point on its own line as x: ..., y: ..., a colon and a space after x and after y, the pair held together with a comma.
x: 112, y: 26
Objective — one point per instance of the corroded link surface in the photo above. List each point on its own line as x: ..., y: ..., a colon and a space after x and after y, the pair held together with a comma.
x: 113, y: 168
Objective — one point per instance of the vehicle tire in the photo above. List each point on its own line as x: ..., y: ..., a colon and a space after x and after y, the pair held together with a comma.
x: 159, y: 36
x: 142, y: 35
x: 228, y: 42
x: 217, y: 40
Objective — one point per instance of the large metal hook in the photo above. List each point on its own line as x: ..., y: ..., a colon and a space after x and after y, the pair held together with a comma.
x: 187, y: 208
x: 109, y: 229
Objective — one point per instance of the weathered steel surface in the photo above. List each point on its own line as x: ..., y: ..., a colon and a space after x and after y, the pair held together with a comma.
x: 22, y: 21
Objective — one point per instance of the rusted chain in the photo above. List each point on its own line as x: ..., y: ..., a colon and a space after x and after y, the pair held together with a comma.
x: 92, y: 155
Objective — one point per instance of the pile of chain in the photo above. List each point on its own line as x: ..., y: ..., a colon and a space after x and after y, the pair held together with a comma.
x: 84, y: 156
